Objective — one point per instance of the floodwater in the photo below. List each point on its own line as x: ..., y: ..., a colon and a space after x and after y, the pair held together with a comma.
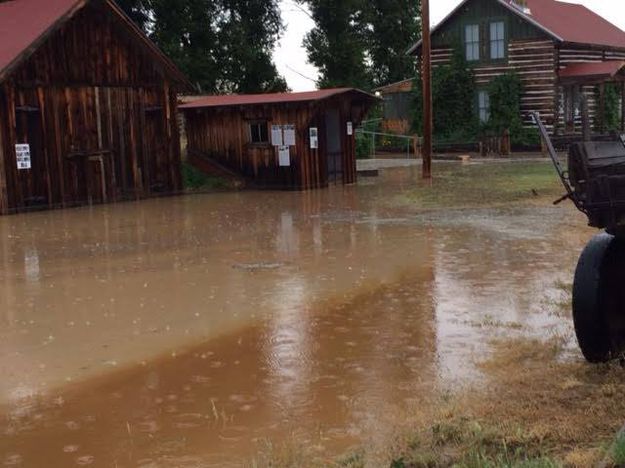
x: 191, y: 331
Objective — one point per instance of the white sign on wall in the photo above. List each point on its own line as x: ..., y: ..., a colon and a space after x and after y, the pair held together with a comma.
x: 314, y: 138
x: 350, y: 128
x: 22, y: 152
x: 276, y: 135
x: 289, y: 135
x: 284, y: 156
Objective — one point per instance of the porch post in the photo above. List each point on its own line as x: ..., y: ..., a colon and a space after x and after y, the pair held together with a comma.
x: 601, y: 125
x: 622, y: 106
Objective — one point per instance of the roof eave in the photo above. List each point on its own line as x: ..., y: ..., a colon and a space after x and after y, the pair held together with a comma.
x: 30, y: 50
x: 412, y: 50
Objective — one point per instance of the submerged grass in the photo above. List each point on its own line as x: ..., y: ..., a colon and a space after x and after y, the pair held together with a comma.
x: 472, y: 185
x: 195, y: 180
x: 537, y: 408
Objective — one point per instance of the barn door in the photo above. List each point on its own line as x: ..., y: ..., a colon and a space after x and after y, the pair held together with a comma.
x: 333, y: 146
x: 33, y: 180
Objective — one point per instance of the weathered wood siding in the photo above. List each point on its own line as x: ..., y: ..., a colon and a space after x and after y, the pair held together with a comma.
x: 99, y: 116
x: 222, y: 134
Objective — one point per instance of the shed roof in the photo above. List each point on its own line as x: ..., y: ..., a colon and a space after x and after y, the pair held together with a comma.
x: 271, y: 98
x: 564, y: 22
x: 593, y: 71
x: 25, y: 24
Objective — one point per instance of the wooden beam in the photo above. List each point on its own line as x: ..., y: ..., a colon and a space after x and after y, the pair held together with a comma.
x: 426, y: 74
x: 623, y: 107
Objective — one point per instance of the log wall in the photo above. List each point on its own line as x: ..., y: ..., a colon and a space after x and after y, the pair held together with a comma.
x: 98, y: 113
x: 534, y: 60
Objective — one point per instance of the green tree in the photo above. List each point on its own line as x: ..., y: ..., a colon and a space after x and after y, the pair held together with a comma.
x: 221, y: 45
x: 337, y: 43
x: 248, y: 31
x: 608, y: 118
x: 453, y: 99
x: 137, y: 10
x: 392, y: 26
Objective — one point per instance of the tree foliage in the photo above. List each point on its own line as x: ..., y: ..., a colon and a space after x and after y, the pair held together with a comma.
x: 609, y: 118
x: 221, y: 45
x: 362, y: 43
x: 505, y: 104
x: 453, y: 98
x: 393, y: 26
x: 336, y: 45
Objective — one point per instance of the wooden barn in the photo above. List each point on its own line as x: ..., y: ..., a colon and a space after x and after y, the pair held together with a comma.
x: 87, y: 107
x: 560, y: 51
x: 295, y: 141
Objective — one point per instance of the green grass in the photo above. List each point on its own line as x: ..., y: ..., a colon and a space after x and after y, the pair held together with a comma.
x: 196, y: 180
x: 618, y: 450
x: 470, y: 185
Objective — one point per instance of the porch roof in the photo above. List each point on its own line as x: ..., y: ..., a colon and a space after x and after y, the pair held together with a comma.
x: 593, y: 72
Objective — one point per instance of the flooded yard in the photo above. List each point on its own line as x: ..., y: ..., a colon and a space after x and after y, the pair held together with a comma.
x: 204, y: 330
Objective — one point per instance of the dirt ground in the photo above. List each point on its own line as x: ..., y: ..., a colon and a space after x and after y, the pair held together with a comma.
x: 389, y: 323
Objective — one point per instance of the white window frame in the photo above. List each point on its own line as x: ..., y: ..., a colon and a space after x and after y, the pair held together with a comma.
x: 497, y: 40
x: 472, y: 42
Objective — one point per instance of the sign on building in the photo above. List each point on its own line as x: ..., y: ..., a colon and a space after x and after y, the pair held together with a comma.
x: 289, y: 135
x: 22, y: 152
x: 314, y: 138
x: 276, y: 135
x: 284, y: 156
x: 350, y: 128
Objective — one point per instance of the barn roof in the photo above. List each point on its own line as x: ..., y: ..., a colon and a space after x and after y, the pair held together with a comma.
x: 273, y: 98
x: 564, y: 22
x: 25, y: 24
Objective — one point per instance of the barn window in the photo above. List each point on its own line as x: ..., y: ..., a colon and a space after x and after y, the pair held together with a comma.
x: 472, y: 41
x: 497, y: 40
x: 483, y: 106
x: 259, y: 132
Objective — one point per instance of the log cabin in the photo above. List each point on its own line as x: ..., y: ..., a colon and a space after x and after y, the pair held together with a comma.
x: 561, y: 51
x: 87, y: 107
x: 289, y: 141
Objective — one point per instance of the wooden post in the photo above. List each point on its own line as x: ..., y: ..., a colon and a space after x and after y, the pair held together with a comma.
x: 426, y: 74
x: 585, y: 118
x: 622, y: 106
x: 601, y: 108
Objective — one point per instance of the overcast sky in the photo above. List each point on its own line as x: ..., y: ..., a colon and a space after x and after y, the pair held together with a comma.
x: 291, y: 58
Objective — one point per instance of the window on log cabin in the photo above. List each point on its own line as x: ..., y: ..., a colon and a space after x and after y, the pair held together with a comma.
x: 497, y: 40
x: 483, y: 102
x: 472, y: 42
x: 259, y: 132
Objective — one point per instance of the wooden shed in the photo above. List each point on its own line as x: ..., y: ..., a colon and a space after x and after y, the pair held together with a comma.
x: 294, y: 141
x: 87, y: 107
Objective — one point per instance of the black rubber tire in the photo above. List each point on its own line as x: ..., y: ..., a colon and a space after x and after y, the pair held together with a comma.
x: 591, y: 322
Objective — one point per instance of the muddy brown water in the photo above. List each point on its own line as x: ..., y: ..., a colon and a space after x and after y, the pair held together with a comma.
x: 190, y: 331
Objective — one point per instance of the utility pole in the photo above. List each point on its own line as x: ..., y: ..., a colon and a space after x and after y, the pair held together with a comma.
x: 426, y: 74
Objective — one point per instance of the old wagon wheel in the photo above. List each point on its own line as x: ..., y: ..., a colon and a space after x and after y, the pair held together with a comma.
x: 599, y: 299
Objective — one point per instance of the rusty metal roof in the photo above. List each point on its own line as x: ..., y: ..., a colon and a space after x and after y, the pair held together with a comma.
x: 595, y: 71
x: 564, y: 22
x: 575, y: 23
x: 25, y: 24
x: 273, y: 98
x: 22, y: 22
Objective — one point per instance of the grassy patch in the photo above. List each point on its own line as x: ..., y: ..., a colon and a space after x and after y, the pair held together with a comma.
x: 459, y: 186
x: 195, y: 180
